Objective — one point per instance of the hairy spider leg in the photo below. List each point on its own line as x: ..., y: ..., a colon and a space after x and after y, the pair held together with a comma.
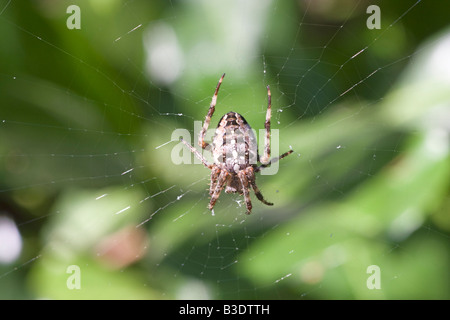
x: 201, y: 138
x: 251, y: 178
x: 262, y: 166
x: 265, y: 159
x: 223, y: 177
x: 266, y: 156
x: 244, y: 181
x: 197, y: 154
x: 215, y: 171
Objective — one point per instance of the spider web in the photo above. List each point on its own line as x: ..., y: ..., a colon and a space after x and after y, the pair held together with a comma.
x: 86, y: 147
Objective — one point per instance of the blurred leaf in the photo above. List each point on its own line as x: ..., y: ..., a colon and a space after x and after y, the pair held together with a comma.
x: 391, y: 205
x: 78, y: 224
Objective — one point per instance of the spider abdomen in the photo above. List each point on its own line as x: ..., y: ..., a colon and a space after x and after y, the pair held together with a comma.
x: 234, y: 144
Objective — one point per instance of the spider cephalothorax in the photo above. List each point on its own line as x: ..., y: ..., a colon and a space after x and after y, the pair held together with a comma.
x: 235, y: 153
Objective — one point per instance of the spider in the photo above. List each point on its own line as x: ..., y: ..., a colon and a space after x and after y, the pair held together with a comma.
x: 235, y: 154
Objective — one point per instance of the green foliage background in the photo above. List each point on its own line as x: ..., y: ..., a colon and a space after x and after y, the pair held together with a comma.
x: 368, y: 183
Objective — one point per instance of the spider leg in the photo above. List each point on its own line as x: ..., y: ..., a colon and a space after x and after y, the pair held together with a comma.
x: 265, y: 159
x: 265, y: 165
x: 215, y: 171
x: 251, y: 178
x: 197, y: 154
x: 248, y: 203
x: 201, y: 138
x: 223, y: 176
x: 266, y: 156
